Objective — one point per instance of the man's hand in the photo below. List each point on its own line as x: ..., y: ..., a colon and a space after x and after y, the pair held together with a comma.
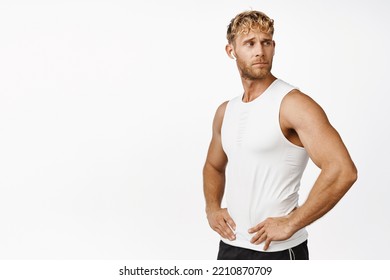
x: 222, y: 223
x: 271, y: 229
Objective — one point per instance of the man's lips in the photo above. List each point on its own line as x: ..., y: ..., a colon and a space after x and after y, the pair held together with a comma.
x: 261, y: 63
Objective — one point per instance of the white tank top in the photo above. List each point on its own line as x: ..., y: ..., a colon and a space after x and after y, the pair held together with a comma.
x: 264, y: 168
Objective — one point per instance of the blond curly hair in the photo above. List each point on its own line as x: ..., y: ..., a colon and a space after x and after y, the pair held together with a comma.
x: 246, y: 21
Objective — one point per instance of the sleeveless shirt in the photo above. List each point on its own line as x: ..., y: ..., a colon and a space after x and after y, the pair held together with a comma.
x: 264, y: 168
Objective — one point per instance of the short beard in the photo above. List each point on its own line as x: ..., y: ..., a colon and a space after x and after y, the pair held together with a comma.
x: 248, y: 73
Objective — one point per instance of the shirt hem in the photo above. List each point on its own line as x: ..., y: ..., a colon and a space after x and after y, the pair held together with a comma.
x: 275, y: 246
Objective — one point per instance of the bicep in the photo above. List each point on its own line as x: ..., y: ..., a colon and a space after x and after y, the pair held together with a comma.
x: 320, y: 139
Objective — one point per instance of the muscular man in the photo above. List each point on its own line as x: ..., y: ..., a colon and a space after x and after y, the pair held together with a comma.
x: 260, y: 146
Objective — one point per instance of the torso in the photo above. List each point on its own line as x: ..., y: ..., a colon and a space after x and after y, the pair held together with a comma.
x: 265, y: 162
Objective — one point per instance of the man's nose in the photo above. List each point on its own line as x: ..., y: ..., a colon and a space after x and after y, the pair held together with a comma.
x: 259, y: 50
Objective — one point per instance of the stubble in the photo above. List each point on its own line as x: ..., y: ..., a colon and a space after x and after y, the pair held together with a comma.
x: 251, y: 72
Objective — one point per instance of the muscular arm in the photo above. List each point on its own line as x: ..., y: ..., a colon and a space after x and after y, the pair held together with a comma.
x: 326, y: 149
x: 214, y: 181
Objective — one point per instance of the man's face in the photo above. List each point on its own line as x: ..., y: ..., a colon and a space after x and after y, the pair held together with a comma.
x: 254, y: 52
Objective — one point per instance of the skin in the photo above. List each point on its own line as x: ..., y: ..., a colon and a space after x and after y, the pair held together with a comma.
x: 303, y: 122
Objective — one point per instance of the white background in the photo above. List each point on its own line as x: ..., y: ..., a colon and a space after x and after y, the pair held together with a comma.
x: 106, y: 111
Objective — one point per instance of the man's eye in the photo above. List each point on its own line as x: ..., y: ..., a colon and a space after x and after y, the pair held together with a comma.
x: 267, y: 43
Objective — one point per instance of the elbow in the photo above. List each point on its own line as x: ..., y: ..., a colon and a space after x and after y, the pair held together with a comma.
x: 344, y: 175
x: 353, y: 175
x: 210, y: 167
x: 349, y: 175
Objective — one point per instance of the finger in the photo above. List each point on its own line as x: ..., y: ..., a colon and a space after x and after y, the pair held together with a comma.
x: 229, y: 219
x: 217, y: 230
x: 227, y: 231
x: 257, y: 236
x: 256, y: 228
x: 262, y: 238
x: 230, y: 222
x: 266, y: 245
x: 221, y: 231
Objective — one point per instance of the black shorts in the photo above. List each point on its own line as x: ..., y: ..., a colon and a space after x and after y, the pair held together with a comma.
x: 228, y: 252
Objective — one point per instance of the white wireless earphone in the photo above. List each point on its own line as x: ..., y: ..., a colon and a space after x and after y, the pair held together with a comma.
x: 232, y: 53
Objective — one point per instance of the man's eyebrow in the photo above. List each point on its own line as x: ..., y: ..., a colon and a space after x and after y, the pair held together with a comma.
x: 253, y: 38
x: 248, y: 40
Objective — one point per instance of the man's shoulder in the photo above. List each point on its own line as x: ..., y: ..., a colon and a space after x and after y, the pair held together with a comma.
x: 219, y: 114
x: 295, y: 97
x: 223, y: 106
x: 298, y: 108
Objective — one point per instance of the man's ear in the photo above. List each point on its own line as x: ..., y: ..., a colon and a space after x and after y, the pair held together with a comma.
x: 230, y: 51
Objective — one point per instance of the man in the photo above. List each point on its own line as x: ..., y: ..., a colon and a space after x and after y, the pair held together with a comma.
x: 261, y: 143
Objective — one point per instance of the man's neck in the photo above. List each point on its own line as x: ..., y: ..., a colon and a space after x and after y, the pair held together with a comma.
x: 255, y: 88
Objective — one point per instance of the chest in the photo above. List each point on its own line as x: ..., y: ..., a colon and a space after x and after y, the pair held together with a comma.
x: 255, y: 129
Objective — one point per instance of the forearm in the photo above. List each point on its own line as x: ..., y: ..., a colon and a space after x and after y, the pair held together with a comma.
x: 330, y: 186
x: 213, y: 187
